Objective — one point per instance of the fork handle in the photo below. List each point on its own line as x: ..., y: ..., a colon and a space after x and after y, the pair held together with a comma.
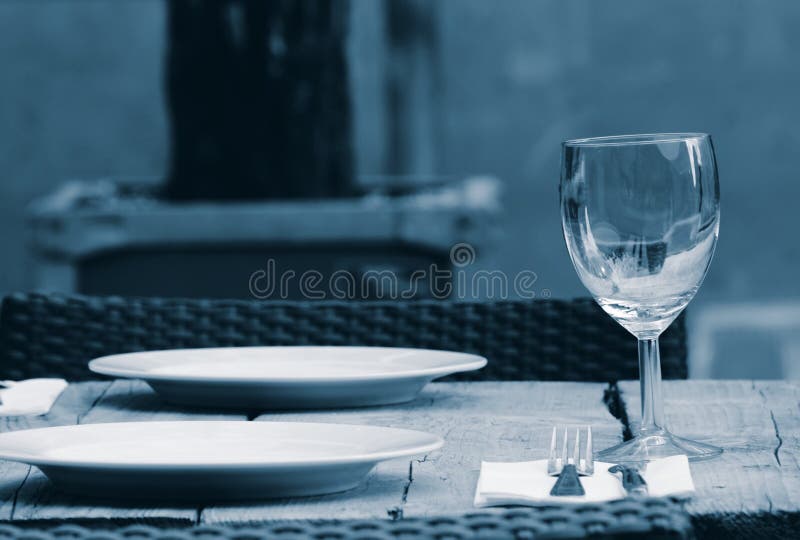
x: 568, y: 483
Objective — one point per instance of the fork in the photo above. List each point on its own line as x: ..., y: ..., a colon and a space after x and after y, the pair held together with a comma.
x: 568, y: 470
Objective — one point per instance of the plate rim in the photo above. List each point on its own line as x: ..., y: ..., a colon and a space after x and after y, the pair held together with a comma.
x: 435, y: 442
x: 471, y: 362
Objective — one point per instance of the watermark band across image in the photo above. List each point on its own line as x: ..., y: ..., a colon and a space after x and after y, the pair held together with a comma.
x: 458, y: 280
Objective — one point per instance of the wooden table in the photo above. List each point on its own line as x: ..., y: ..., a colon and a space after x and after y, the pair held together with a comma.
x: 754, y: 488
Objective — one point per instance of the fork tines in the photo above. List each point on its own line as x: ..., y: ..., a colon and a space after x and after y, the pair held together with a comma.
x: 584, y: 466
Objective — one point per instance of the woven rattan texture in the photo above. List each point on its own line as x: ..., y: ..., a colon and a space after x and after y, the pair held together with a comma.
x: 647, y: 518
x: 49, y: 335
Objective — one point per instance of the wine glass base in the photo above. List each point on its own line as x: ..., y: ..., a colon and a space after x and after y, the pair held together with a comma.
x: 656, y: 445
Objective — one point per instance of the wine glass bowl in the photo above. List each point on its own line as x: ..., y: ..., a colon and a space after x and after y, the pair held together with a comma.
x: 640, y: 215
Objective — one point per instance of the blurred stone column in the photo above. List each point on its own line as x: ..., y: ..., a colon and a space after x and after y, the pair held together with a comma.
x: 258, y: 99
x: 413, y: 76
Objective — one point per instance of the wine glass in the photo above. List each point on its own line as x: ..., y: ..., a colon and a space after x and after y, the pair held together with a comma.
x: 641, y: 216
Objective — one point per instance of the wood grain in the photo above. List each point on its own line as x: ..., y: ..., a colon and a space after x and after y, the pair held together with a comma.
x: 76, y: 400
x: 36, y: 499
x: 479, y: 421
x: 753, y: 489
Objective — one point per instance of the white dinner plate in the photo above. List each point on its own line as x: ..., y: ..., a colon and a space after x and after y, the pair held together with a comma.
x: 210, y: 461
x: 287, y: 377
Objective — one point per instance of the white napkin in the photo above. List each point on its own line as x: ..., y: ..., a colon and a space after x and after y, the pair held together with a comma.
x: 527, y: 482
x: 31, y: 397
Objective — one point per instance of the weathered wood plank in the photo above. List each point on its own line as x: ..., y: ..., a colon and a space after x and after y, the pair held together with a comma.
x: 783, y: 401
x: 754, y: 488
x: 479, y: 421
x: 121, y: 401
x: 755, y: 485
x: 75, y: 401
x: 499, y: 422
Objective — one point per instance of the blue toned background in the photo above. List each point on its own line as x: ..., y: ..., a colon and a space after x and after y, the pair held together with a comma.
x: 81, y: 97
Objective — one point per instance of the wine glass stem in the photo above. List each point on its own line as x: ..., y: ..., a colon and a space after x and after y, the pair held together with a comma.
x: 650, y: 380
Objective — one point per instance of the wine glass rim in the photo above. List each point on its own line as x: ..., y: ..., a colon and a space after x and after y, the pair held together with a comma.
x: 635, y: 139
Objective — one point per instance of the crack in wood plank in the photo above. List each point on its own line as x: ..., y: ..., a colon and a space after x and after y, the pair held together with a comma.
x: 754, y: 485
x: 396, y: 513
x: 777, y: 451
x: 79, y: 418
x: 16, y: 494
x: 777, y: 436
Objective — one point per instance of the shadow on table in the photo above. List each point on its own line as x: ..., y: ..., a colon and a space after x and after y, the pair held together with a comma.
x: 140, y: 398
x: 36, y: 501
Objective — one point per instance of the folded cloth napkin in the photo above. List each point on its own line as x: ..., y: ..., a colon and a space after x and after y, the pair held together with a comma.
x: 31, y: 397
x: 527, y: 482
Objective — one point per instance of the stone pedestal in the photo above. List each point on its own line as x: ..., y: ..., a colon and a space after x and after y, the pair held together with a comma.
x: 114, y: 238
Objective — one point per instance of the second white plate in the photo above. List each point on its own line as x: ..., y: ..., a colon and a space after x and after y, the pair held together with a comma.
x: 287, y: 377
x: 210, y: 461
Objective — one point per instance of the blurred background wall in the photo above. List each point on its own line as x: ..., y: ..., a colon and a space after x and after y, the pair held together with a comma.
x: 81, y: 97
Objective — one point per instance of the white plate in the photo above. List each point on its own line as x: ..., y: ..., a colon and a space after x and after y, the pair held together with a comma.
x: 287, y: 377
x: 210, y: 461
